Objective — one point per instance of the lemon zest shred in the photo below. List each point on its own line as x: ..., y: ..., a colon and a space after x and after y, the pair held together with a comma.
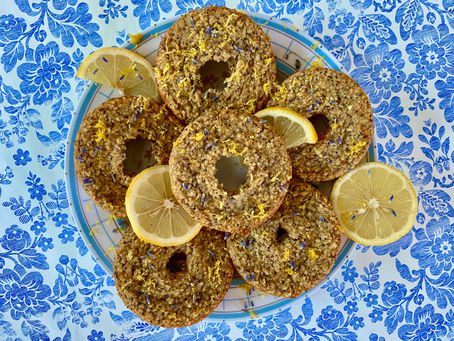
x: 135, y: 38
x: 315, y: 45
x: 93, y: 232
x: 265, y: 234
x: 198, y: 136
x: 275, y: 177
x: 354, y: 148
x: 110, y: 249
x: 126, y: 284
x: 88, y: 207
x: 312, y: 254
x: 290, y: 272
x: 253, y: 314
x: 318, y: 62
x: 130, y: 255
x: 100, y: 131
x: 267, y: 88
x: 286, y: 256
x: 246, y: 287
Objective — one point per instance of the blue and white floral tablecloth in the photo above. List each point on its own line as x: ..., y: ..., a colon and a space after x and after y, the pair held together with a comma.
x: 400, y: 51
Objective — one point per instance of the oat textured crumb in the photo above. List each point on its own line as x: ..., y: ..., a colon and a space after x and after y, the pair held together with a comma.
x: 172, y: 294
x: 193, y: 167
x: 214, y: 34
x: 100, y: 147
x: 293, y: 251
x: 346, y: 107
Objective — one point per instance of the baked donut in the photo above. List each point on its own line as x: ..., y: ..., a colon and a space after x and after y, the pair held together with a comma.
x: 214, y: 58
x: 101, y: 146
x: 321, y: 91
x: 172, y: 286
x: 196, y: 162
x: 295, y: 250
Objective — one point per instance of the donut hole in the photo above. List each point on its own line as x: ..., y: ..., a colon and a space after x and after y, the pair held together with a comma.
x: 213, y: 74
x: 281, y: 234
x: 177, y: 263
x: 320, y: 123
x: 231, y: 172
x: 139, y: 156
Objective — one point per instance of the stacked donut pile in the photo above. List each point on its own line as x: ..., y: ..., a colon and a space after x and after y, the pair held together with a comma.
x: 280, y: 232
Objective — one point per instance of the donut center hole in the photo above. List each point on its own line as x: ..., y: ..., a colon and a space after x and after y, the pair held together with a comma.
x: 139, y: 156
x: 281, y: 234
x: 177, y: 263
x: 231, y: 172
x: 213, y: 74
x: 320, y: 123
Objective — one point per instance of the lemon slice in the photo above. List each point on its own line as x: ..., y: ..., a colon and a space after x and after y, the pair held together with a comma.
x: 294, y: 128
x: 376, y: 204
x: 153, y: 211
x: 120, y: 69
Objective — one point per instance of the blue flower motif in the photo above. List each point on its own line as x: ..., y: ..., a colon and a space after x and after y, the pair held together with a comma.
x: 23, y: 297
x: 432, y: 51
x: 15, y: 239
x: 351, y: 307
x: 330, y: 318
x: 22, y: 157
x: 60, y: 219
x: 376, y: 315
x: 272, y: 327
x: 371, y: 299
x: 382, y: 72
x: 46, y: 77
x: 435, y: 246
x: 340, y: 21
x: 350, y: 272
x: 37, y: 191
x: 38, y: 227
x: 11, y: 28
x: 45, y: 244
x: 393, y: 293
x: 427, y: 325
x: 421, y: 173
x: 357, y: 322
x: 66, y: 235
x: 95, y: 336
x: 148, y: 10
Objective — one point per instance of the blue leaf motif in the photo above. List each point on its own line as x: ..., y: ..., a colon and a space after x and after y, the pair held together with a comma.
x: 12, y: 96
x: 404, y: 271
x: 442, y: 289
x: 313, y: 21
x: 395, y: 315
x: 148, y: 10
x: 377, y: 27
x: 31, y: 258
x: 87, y: 278
x: 75, y: 23
x: 446, y: 93
x: 60, y: 289
x: 409, y: 14
x: 428, y: 153
x: 12, y: 53
x: 436, y: 202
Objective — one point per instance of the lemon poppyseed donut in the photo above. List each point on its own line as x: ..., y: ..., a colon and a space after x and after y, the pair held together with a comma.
x: 216, y: 38
x: 294, y: 250
x: 196, y: 162
x: 320, y: 91
x: 101, y: 146
x: 173, y: 286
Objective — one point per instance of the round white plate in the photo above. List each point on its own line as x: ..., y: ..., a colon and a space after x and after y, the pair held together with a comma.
x: 294, y: 51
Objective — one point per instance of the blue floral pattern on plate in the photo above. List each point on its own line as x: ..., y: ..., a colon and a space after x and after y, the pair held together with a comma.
x: 400, y: 52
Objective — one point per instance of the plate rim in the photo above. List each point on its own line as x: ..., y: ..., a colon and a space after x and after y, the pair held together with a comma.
x: 70, y: 175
